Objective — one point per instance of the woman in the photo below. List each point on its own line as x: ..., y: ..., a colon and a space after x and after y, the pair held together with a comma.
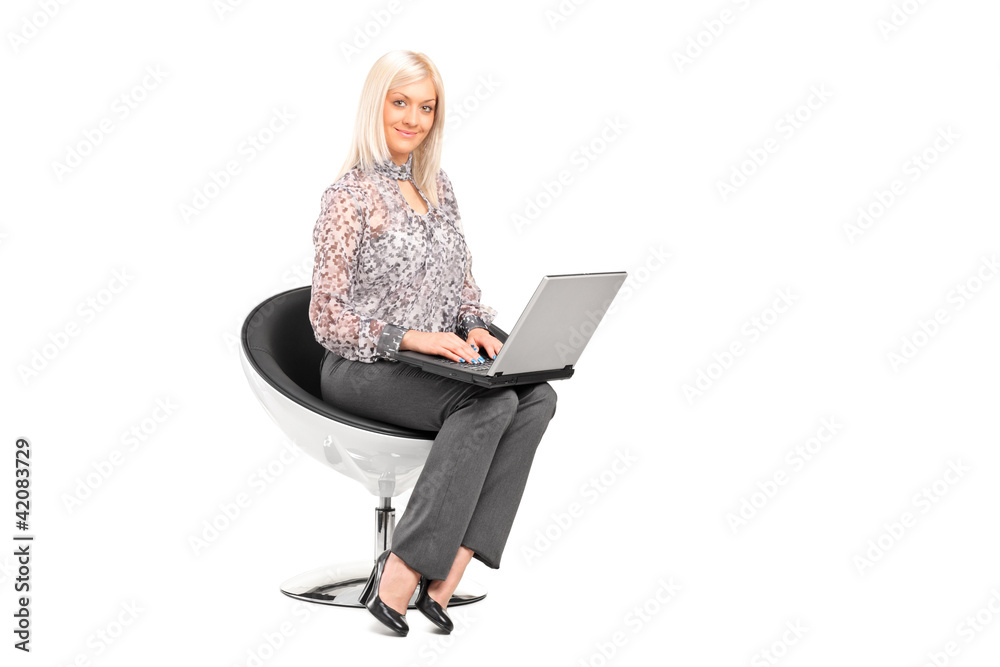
x: 393, y: 272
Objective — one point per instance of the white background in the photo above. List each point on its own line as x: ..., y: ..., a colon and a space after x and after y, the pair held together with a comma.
x: 169, y: 333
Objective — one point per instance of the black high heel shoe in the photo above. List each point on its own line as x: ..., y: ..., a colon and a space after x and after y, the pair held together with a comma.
x: 431, y: 609
x: 380, y: 610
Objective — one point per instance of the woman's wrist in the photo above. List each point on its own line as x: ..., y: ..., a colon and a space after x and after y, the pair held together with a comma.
x: 407, y: 339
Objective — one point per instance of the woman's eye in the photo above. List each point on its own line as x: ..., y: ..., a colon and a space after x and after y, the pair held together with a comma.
x: 427, y: 108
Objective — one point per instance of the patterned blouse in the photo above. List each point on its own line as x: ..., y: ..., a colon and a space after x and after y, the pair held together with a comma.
x: 381, y: 269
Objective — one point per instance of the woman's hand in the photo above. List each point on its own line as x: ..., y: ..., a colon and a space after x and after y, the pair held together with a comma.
x: 449, y: 345
x: 487, y: 344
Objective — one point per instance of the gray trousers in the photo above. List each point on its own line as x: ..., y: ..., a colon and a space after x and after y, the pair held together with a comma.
x: 469, y: 490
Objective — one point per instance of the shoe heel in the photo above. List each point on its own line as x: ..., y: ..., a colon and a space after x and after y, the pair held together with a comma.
x: 367, y: 590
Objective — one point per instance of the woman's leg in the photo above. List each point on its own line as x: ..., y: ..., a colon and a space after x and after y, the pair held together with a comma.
x: 471, y: 422
x: 445, y: 495
x: 441, y: 590
x: 405, y: 395
x: 500, y: 495
x: 392, y: 392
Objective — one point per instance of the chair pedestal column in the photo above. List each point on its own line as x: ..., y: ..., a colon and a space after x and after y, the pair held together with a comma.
x: 340, y: 584
x: 385, y: 524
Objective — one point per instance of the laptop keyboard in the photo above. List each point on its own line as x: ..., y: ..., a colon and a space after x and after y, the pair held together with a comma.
x: 475, y: 368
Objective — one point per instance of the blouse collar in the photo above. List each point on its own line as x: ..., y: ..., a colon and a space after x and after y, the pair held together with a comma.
x: 401, y: 172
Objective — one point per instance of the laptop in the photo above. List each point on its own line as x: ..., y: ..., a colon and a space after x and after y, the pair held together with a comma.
x: 548, y: 338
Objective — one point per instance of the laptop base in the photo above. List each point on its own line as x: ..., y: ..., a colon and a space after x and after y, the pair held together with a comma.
x: 424, y: 362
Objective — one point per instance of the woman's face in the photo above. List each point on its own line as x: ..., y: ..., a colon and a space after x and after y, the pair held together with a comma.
x: 407, y: 116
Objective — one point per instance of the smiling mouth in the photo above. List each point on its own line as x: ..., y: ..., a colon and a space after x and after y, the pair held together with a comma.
x: 405, y: 133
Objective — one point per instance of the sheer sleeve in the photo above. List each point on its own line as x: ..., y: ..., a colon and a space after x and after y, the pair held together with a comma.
x: 335, y: 323
x: 472, y: 313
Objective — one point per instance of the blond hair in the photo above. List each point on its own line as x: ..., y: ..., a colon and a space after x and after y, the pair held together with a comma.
x: 368, y: 145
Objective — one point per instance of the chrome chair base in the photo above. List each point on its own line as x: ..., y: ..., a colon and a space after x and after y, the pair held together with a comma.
x: 340, y: 585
